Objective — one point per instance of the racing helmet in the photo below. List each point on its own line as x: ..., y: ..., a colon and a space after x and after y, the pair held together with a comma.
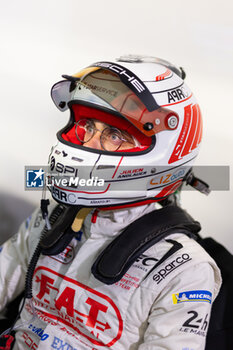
x: 143, y: 96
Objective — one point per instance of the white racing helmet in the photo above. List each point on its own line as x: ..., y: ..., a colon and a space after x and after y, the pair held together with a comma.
x: 148, y: 98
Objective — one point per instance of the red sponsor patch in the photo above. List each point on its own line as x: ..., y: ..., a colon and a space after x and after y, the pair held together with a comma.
x: 127, y: 282
x: 66, y: 256
x: 90, y: 313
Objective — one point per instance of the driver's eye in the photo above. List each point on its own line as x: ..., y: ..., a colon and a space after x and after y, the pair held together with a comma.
x: 89, y: 128
x: 115, y: 138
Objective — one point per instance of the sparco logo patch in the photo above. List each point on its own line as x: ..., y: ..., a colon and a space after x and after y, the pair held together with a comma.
x: 174, y: 264
x: 89, y: 313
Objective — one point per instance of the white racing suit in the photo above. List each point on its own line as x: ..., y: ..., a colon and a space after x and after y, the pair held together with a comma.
x: 168, y: 308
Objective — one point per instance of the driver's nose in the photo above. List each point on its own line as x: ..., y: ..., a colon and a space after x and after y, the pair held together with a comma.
x: 94, y: 142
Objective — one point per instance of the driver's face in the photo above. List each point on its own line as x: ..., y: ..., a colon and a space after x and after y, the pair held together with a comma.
x: 99, y: 135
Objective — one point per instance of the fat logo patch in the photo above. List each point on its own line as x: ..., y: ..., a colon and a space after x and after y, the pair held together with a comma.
x: 87, y: 312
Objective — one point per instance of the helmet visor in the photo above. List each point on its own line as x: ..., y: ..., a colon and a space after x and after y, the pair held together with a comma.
x: 106, y: 89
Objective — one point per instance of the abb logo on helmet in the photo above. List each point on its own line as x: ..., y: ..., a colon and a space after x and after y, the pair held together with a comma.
x: 190, y: 135
x: 88, y: 312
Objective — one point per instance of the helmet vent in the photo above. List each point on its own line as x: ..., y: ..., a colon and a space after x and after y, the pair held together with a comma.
x: 99, y: 167
x: 77, y: 159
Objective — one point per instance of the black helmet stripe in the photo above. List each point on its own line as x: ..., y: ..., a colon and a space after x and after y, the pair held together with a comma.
x: 132, y: 82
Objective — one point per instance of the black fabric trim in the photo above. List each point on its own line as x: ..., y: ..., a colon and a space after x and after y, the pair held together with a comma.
x: 175, y: 247
x: 59, y: 236
x: 220, y: 332
x: 143, y: 233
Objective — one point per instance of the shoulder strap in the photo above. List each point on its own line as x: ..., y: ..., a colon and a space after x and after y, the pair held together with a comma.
x: 140, y: 235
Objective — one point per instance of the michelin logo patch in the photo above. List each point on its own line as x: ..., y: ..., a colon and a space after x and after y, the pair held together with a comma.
x: 192, y: 296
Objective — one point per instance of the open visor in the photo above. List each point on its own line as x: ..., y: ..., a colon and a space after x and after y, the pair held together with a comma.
x: 106, y: 89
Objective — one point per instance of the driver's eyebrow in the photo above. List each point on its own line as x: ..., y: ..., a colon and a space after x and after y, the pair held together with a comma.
x: 124, y: 133
x: 94, y: 121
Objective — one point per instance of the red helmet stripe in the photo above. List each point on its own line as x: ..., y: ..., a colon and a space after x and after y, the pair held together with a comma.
x: 190, y: 135
x: 177, y: 152
x: 198, y: 129
x: 201, y: 126
x: 197, y: 122
x: 192, y: 132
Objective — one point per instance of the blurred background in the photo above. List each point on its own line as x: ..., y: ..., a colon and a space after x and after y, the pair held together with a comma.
x: 40, y: 40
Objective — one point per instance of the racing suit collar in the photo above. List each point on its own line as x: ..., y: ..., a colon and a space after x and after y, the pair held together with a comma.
x: 110, y: 223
